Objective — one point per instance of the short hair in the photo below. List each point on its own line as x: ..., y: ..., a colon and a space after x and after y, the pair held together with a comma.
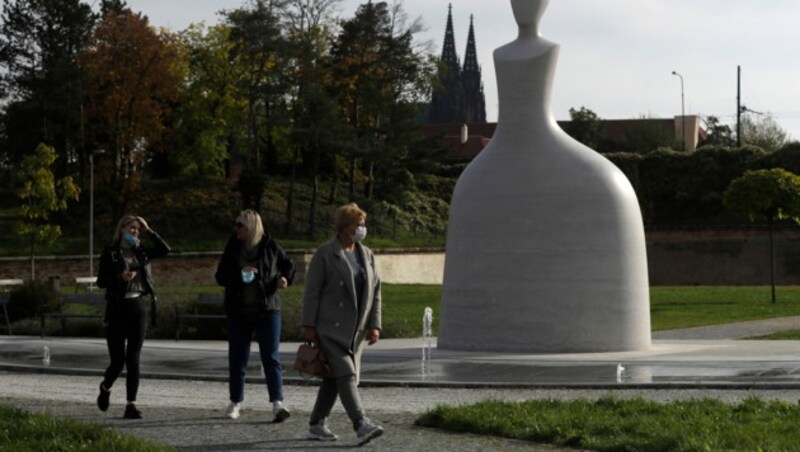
x: 347, y: 215
x: 255, y: 228
x: 124, y: 221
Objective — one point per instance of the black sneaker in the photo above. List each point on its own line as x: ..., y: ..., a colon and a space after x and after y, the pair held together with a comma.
x: 102, y: 399
x: 131, y: 412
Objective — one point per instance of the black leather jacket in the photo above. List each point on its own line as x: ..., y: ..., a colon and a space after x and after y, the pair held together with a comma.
x: 272, y: 264
x: 112, y: 264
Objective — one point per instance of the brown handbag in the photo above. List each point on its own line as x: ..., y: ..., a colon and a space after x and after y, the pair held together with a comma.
x: 310, y: 361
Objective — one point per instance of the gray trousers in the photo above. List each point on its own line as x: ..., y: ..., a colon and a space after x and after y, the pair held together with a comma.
x: 343, y: 387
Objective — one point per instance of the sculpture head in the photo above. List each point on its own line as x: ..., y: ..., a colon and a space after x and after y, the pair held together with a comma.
x: 528, y: 13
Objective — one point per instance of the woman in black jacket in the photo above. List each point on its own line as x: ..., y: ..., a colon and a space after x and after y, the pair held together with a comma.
x: 125, y: 274
x: 252, y: 269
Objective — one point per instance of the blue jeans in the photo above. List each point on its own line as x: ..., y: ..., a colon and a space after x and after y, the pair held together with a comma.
x: 268, y: 333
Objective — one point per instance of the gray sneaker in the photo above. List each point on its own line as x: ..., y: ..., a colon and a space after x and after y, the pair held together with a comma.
x: 368, y: 431
x: 321, y: 432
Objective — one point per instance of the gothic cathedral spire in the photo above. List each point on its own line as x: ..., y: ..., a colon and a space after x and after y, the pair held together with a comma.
x: 475, y: 104
x: 449, y: 55
x: 460, y: 98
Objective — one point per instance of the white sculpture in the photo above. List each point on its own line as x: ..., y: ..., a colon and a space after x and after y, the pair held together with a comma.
x: 545, y: 243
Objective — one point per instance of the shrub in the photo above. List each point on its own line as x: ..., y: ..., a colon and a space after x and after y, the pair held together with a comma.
x: 31, y: 299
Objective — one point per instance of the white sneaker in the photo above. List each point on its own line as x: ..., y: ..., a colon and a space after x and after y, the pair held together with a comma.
x: 279, y: 412
x: 321, y: 432
x: 233, y: 410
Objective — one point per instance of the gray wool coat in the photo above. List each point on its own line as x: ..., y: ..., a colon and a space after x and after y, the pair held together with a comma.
x: 329, y: 305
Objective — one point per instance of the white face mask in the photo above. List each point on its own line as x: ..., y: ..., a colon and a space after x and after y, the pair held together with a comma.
x: 361, y: 233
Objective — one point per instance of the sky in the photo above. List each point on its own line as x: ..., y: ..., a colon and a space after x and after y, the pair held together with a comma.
x: 617, y: 56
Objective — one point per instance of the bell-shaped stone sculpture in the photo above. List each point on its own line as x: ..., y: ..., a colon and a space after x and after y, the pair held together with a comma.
x: 545, y: 243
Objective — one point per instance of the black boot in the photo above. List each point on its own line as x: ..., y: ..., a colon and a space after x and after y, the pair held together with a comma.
x: 102, y: 399
x: 131, y: 412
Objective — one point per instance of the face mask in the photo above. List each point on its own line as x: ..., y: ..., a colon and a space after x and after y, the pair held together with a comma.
x: 130, y: 240
x: 361, y: 233
x: 248, y: 277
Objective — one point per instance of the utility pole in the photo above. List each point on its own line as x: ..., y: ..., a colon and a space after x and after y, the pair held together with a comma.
x: 738, y: 106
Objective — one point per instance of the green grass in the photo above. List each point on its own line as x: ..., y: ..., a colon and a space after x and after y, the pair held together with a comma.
x: 689, y: 306
x: 23, y: 431
x: 403, y: 305
x: 612, y: 424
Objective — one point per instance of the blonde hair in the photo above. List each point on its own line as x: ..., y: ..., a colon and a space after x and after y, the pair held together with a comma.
x: 346, y: 215
x: 255, y: 228
x: 124, y: 221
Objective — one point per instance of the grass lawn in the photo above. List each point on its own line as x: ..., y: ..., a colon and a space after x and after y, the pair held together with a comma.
x: 612, y: 424
x: 23, y: 431
x: 615, y: 424
x: 404, y: 304
x: 688, y: 306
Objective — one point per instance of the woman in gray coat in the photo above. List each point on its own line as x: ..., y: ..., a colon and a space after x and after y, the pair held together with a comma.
x: 342, y: 310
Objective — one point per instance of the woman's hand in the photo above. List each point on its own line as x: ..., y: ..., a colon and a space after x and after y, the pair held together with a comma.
x: 145, y: 227
x: 373, y: 335
x: 310, y: 334
x: 128, y: 275
x: 282, y: 283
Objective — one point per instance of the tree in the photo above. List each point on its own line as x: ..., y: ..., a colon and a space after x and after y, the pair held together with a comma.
x: 718, y: 134
x: 762, y: 131
x: 211, y: 113
x: 131, y: 87
x: 771, y: 194
x: 313, y: 108
x: 381, y: 82
x: 585, y: 126
x: 258, y: 52
x: 42, y: 194
x: 40, y: 77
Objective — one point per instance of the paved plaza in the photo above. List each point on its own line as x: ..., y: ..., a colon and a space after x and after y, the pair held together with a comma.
x: 184, y: 392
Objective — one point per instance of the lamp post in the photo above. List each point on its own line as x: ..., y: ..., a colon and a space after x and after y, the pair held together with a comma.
x: 91, y: 208
x: 683, y: 114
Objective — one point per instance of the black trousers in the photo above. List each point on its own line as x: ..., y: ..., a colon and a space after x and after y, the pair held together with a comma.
x: 125, y: 333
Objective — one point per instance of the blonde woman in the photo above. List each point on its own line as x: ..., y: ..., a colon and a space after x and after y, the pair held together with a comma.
x: 342, y: 311
x: 253, y: 268
x: 125, y: 274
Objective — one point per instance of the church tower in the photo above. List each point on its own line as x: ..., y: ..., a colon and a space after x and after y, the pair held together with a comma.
x: 474, y: 100
x: 460, y: 98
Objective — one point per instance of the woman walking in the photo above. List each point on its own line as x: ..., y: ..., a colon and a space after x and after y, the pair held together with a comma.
x: 125, y: 274
x: 252, y: 269
x: 342, y: 310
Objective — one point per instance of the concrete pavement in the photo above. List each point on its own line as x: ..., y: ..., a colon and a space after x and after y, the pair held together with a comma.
x: 709, y: 358
x: 184, y: 394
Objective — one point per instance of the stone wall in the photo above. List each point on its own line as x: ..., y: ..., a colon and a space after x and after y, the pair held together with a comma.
x: 675, y: 257
x: 401, y: 267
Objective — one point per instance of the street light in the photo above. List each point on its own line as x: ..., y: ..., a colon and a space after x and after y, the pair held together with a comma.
x: 683, y: 114
x: 91, y: 208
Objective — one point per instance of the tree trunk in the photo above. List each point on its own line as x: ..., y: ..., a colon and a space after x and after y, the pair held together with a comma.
x: 312, y: 208
x: 771, y: 259
x: 369, y: 186
x: 352, y: 177
x: 290, y: 196
x: 334, y: 186
x: 33, y: 265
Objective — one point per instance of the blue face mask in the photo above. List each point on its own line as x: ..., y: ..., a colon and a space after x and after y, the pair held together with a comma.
x: 130, y: 239
x: 248, y: 277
